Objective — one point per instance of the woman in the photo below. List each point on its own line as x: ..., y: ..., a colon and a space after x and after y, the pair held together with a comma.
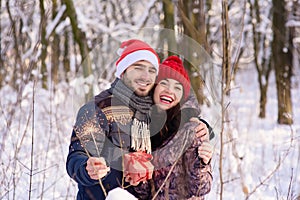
x: 180, y: 155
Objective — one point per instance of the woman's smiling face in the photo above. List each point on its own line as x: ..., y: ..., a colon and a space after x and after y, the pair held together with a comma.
x: 167, y: 93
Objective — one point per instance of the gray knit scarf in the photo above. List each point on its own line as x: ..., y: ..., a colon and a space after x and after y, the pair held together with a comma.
x: 140, y: 132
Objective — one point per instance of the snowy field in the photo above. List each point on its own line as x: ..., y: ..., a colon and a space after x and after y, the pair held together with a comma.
x: 261, y: 158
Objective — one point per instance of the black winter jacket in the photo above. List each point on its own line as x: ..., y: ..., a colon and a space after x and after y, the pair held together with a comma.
x: 106, y: 123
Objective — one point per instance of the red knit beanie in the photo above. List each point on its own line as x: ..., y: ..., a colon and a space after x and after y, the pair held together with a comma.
x: 173, y: 68
x: 132, y: 51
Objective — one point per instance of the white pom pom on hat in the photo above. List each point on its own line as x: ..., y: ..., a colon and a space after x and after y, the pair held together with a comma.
x: 120, y: 51
x: 132, y: 51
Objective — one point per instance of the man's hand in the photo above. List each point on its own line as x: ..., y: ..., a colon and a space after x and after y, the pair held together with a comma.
x: 201, y: 130
x: 96, y: 168
x: 205, y: 151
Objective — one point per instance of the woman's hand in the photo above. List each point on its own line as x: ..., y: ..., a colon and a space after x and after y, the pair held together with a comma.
x: 205, y: 151
x: 201, y: 130
x: 96, y: 168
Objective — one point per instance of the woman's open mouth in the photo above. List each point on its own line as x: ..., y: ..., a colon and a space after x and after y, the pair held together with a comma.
x: 166, y: 99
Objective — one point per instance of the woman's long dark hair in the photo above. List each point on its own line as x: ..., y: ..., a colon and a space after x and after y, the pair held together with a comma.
x: 166, y: 131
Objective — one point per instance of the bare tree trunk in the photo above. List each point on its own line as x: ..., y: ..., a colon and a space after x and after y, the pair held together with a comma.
x: 226, y: 47
x: 169, y: 23
x: 17, y: 56
x: 194, y: 27
x: 55, y: 49
x: 66, y: 56
x: 282, y: 60
x: 262, y: 63
x: 44, y: 44
x: 226, y: 78
x: 81, y: 40
x: 240, y: 46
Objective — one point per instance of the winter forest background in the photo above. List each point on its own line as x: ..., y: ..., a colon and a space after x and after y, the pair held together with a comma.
x: 243, y: 60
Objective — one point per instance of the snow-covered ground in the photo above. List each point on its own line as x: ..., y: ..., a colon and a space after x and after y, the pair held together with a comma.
x: 260, y: 157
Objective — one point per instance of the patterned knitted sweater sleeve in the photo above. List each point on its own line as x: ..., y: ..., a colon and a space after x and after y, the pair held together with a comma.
x: 76, y: 163
x: 87, y: 140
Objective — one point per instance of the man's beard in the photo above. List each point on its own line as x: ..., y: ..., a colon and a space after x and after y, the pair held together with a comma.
x: 130, y: 84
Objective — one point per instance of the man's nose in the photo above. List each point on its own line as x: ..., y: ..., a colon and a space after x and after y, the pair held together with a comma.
x: 145, y: 74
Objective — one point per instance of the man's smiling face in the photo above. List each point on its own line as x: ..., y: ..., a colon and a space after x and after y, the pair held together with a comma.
x: 140, y: 77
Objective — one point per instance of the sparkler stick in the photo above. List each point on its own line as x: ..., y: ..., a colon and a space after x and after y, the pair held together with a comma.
x: 90, y: 134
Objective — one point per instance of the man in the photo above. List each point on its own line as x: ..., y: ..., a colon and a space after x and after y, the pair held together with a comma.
x: 115, y: 123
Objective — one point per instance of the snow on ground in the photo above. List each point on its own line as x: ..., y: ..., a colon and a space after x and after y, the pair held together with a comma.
x: 259, y: 153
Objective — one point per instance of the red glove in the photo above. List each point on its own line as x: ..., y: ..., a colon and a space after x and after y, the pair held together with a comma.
x: 137, y: 167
